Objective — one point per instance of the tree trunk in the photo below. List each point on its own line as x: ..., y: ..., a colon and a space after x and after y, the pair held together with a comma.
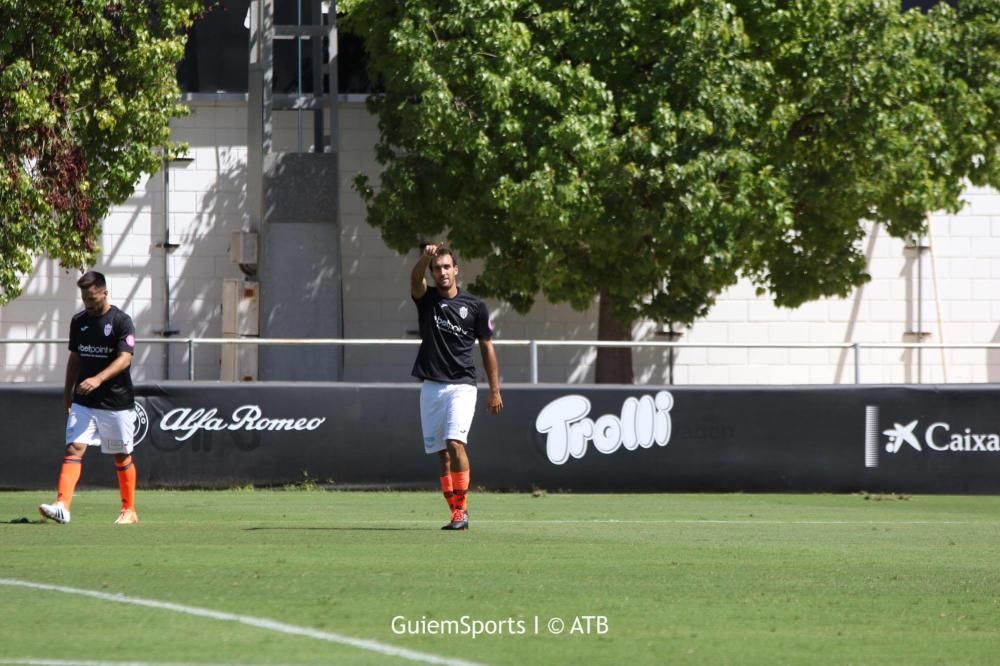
x: 614, y: 364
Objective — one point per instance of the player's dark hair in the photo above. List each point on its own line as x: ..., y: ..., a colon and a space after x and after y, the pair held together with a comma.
x: 92, y: 279
x: 442, y: 251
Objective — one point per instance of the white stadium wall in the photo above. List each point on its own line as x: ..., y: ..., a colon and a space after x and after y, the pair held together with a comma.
x: 956, y: 301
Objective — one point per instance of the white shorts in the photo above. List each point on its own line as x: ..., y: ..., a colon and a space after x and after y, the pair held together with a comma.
x: 111, y: 430
x: 446, y: 412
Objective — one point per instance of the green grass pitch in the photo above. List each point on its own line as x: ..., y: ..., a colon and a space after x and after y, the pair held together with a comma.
x: 321, y: 577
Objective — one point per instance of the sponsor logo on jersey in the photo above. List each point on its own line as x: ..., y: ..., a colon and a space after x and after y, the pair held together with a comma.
x: 94, y: 350
x: 448, y: 327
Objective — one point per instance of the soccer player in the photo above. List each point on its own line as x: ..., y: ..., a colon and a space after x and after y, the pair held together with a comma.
x: 450, y: 321
x: 98, y: 397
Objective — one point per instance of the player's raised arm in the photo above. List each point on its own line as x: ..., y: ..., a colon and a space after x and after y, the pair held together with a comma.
x: 418, y: 276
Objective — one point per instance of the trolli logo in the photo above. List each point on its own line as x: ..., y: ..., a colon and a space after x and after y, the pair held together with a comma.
x: 643, y: 421
x: 937, y: 437
x: 187, y: 422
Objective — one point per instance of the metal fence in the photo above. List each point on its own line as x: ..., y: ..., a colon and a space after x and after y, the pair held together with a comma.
x: 534, y: 347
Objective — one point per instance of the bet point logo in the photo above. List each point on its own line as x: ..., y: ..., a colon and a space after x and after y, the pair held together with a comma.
x: 140, y: 426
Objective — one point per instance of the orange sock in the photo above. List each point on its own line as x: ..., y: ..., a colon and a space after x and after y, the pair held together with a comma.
x: 126, y: 483
x: 460, y: 486
x: 447, y: 491
x: 69, y: 475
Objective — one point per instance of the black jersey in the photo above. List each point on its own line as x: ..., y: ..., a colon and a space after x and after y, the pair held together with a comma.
x: 98, y: 340
x: 448, y: 329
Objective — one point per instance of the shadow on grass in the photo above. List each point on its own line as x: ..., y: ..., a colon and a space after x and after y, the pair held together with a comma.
x: 24, y: 521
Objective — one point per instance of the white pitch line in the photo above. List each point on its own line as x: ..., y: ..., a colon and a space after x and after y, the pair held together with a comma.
x: 89, y: 662
x: 708, y: 521
x: 613, y: 521
x: 258, y: 622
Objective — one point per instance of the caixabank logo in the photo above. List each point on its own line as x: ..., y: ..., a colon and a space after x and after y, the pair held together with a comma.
x: 922, y: 437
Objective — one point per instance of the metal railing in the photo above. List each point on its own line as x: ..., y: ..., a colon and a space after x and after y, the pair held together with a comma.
x: 534, y: 346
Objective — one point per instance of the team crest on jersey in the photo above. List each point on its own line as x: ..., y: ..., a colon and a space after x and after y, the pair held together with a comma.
x: 107, y: 329
x: 463, y: 312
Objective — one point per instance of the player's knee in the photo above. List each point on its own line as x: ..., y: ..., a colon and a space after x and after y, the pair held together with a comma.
x: 76, y: 449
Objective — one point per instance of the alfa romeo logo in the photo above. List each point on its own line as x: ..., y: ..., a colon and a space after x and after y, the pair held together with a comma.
x: 140, y: 427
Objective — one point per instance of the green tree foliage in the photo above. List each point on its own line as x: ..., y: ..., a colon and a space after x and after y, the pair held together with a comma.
x: 87, y: 88
x: 651, y: 152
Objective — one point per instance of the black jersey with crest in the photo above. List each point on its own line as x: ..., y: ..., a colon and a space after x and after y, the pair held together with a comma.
x: 449, y: 327
x: 98, y: 340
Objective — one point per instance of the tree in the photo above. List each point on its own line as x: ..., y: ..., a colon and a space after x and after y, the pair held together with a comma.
x: 87, y: 88
x: 650, y: 153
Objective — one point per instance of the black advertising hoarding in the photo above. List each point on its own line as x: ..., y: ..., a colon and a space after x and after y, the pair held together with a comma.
x: 920, y: 439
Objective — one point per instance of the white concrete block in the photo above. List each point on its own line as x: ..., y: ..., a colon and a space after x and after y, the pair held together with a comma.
x: 789, y: 332
x: 748, y: 375
x: 707, y: 331
x: 192, y: 180
x: 827, y: 374
x: 748, y: 333
x: 879, y: 289
x: 743, y: 290
x: 968, y: 226
x: 768, y: 356
x: 808, y: 357
x: 193, y: 267
x: 727, y: 356
x: 840, y: 311
x: 362, y: 141
x: 709, y: 375
x: 765, y: 311
x: 953, y: 247
x: 729, y: 311
x: 985, y: 289
x: 236, y: 137
x: 888, y: 311
x: 351, y: 118
x: 195, y: 137
x: 128, y: 245
x: 812, y: 311
x: 980, y: 332
x: 956, y: 290
x: 979, y: 203
x: 986, y: 247
x: 182, y: 202
x: 868, y: 331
